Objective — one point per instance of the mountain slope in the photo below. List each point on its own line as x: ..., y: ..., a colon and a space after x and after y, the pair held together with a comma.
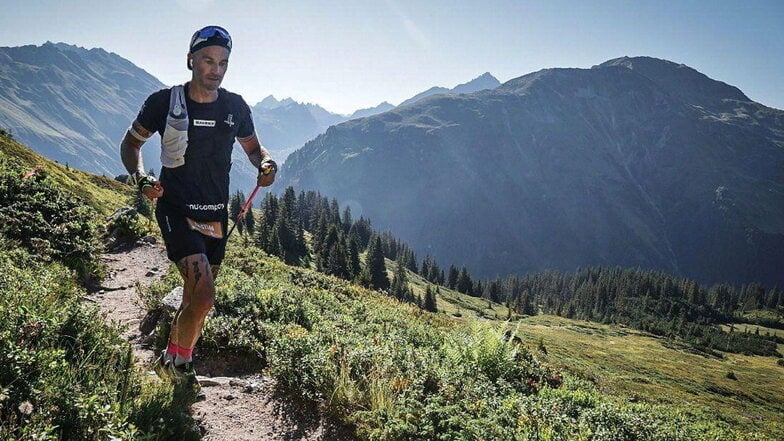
x: 71, y: 104
x: 637, y: 162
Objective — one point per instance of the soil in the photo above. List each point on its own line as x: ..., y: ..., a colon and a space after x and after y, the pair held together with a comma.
x: 241, y: 404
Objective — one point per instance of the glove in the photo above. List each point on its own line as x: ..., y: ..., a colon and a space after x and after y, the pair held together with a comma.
x: 273, y: 167
x: 143, y: 181
x: 267, y: 172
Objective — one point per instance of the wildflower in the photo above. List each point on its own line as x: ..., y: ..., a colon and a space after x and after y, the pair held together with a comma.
x: 26, y: 408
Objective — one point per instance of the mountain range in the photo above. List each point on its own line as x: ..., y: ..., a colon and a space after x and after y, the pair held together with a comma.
x: 285, y: 125
x: 637, y: 162
x: 71, y: 104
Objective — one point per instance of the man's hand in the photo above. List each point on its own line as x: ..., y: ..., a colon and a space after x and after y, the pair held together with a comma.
x: 267, y: 173
x: 151, y: 188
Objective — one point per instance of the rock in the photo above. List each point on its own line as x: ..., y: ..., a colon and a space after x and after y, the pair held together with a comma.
x: 213, y: 381
x: 150, y: 273
x: 150, y: 321
x: 229, y: 397
x: 172, y: 300
x: 149, y: 240
x: 120, y: 212
x: 236, y: 382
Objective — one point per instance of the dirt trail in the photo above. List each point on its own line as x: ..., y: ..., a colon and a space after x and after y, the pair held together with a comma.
x: 241, y: 406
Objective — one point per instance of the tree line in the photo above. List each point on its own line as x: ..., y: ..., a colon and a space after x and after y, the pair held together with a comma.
x: 652, y: 301
x: 309, y: 229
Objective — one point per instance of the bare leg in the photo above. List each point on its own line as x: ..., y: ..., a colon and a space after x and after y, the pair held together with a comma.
x: 198, y: 297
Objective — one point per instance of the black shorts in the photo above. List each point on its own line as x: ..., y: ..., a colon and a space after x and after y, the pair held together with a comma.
x: 182, y: 241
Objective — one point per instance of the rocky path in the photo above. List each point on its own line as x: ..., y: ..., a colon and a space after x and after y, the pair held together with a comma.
x: 242, y: 406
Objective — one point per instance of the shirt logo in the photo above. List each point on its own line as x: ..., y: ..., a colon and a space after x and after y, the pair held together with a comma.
x: 230, y: 120
x: 203, y: 123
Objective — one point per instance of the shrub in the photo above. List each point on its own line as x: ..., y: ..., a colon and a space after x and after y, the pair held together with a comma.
x: 65, y: 374
x: 127, y: 226
x: 48, y: 222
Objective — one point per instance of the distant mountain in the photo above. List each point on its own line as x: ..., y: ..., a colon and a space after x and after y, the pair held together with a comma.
x: 286, y: 125
x: 71, y: 104
x: 637, y: 162
x: 482, y: 82
x: 381, y: 108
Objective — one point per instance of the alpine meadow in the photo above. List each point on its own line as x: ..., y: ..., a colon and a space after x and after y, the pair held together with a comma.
x: 573, y: 254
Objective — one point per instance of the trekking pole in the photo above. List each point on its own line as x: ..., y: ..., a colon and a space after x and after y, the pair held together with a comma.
x: 244, y: 210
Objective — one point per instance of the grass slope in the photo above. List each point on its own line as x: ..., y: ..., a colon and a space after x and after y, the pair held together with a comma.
x: 634, y: 365
x: 101, y: 193
x: 392, y: 370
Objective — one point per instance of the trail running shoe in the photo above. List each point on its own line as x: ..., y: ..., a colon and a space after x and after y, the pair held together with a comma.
x: 182, y: 375
x: 163, y: 366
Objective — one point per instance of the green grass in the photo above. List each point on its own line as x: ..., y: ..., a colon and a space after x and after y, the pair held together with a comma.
x: 455, y: 303
x: 67, y: 375
x: 64, y: 373
x: 393, y: 371
x: 103, y: 194
x: 634, y: 365
x: 396, y: 372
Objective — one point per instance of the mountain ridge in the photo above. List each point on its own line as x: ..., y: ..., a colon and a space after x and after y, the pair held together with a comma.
x: 66, y: 101
x: 598, y: 152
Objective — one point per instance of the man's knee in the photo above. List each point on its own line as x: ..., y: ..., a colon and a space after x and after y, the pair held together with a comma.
x: 199, y: 289
x: 202, y: 300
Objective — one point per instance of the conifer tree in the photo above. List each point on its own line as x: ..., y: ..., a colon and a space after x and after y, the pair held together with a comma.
x: 250, y: 222
x: 352, y: 258
x: 235, y: 206
x: 336, y: 261
x: 434, y: 273
x: 266, y: 235
x: 375, y: 273
x: 347, y: 220
x: 464, y: 283
x: 425, y: 270
x: 409, y: 259
x: 327, y: 244
x: 774, y: 299
x: 363, y: 232
x: 334, y: 213
x: 430, y: 300
x: 451, y: 281
x: 399, y: 288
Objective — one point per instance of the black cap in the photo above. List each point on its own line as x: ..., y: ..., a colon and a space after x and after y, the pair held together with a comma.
x: 210, y: 36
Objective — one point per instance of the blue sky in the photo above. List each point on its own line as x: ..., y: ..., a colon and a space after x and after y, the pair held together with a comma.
x: 346, y: 55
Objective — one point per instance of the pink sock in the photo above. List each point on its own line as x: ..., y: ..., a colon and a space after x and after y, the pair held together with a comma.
x: 172, y: 349
x: 185, y: 353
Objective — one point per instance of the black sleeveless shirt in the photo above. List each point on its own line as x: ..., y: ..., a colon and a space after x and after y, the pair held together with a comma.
x: 199, y: 189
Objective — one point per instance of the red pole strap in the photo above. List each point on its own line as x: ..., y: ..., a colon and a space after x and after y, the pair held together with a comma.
x: 248, y: 203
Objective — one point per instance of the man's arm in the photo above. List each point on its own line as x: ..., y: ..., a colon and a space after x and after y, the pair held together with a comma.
x: 130, y: 153
x: 130, y: 148
x: 259, y: 157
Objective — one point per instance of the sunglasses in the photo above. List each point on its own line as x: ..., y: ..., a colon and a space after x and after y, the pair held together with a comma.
x: 210, y: 32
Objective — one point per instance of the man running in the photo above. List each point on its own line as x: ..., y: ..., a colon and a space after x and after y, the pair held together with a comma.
x: 198, y: 123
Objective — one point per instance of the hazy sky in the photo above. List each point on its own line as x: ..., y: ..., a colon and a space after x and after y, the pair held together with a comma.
x: 346, y: 55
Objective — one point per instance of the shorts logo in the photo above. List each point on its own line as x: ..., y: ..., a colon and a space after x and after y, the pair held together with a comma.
x: 203, y: 123
x: 230, y: 120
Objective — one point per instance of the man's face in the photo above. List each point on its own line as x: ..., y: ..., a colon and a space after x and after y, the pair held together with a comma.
x: 209, y: 66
